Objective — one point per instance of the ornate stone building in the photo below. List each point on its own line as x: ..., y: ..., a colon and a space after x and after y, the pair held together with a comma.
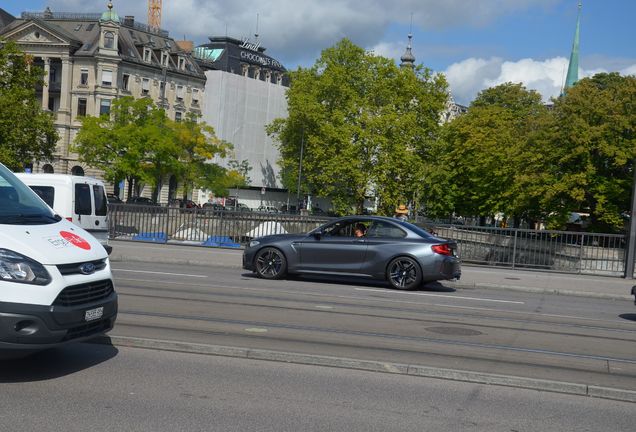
x: 90, y: 60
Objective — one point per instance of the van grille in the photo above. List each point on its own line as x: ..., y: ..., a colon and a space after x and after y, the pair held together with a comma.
x: 86, y: 293
x: 87, y: 329
x: 71, y: 269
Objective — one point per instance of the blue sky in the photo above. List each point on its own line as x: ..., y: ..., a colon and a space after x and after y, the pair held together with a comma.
x: 476, y: 43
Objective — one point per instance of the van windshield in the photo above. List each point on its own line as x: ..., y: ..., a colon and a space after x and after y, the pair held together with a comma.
x: 19, y: 205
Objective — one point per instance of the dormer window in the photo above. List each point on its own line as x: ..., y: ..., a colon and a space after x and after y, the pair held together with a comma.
x: 147, y: 55
x: 164, y: 59
x: 109, y: 40
x: 181, y: 63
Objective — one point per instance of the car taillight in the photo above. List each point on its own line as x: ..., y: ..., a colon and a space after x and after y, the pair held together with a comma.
x: 442, y: 249
x: 70, y: 219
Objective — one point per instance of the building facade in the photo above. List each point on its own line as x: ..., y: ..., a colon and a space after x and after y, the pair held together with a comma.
x: 90, y: 60
x: 245, y: 91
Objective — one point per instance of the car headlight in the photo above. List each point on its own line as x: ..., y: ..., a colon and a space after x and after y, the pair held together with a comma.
x: 254, y: 243
x: 18, y: 268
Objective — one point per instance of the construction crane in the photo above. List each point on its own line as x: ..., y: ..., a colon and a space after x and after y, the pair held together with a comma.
x: 154, y: 14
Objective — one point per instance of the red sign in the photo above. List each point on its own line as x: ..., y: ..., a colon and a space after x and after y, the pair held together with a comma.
x: 76, y: 240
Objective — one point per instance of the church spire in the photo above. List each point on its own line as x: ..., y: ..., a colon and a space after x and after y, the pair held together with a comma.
x: 573, y: 68
x: 408, y: 59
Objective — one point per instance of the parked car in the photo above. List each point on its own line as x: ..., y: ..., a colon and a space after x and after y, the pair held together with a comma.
x: 184, y: 204
x: 215, y: 208
x: 267, y: 209
x: 396, y: 251
x: 141, y: 201
x: 113, y: 199
x: 240, y: 207
x: 634, y: 293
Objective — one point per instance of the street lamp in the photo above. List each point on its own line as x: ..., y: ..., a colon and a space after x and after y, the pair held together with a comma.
x: 300, y: 167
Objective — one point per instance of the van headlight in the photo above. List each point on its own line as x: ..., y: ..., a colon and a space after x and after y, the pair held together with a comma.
x: 15, y: 267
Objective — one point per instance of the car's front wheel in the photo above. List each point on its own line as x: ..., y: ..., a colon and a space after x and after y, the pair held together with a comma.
x: 270, y: 263
x: 404, y: 273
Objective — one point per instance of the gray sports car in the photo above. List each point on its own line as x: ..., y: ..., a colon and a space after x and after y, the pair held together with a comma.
x: 373, y: 247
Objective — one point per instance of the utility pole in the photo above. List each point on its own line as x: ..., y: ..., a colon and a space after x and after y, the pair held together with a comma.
x: 631, y: 239
x: 300, y: 167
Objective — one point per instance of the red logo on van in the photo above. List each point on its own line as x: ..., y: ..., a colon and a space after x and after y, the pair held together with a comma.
x: 76, y: 240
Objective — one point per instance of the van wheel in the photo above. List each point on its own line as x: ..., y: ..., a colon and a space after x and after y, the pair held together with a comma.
x: 270, y: 263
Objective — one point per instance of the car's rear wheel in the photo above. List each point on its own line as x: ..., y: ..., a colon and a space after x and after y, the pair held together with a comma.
x: 404, y: 273
x: 270, y: 263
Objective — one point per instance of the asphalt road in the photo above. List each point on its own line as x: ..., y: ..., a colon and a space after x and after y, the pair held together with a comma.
x: 86, y: 387
x: 539, y: 336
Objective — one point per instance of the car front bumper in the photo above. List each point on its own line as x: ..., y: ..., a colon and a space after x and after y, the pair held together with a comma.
x: 36, y: 327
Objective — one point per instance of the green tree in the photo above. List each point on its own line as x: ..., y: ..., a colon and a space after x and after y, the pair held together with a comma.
x: 198, y: 144
x: 363, y: 126
x: 591, y: 145
x: 134, y: 142
x: 27, y: 133
x: 482, y: 162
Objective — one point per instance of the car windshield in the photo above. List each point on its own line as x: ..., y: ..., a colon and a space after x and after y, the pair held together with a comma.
x: 19, y: 205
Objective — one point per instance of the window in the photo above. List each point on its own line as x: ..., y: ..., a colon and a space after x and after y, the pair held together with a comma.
x: 104, y: 107
x: 164, y: 59
x: 195, y: 96
x: 48, y: 169
x: 51, y: 104
x: 101, y: 204
x: 81, y: 107
x: 84, y: 77
x: 125, y: 82
x: 147, y: 55
x: 162, y: 89
x: 78, y: 28
x: 145, y: 86
x: 83, y: 205
x: 177, y: 116
x: 47, y: 193
x: 53, y: 75
x: 109, y: 40
x: 385, y: 230
x: 181, y: 63
x: 77, y: 170
x: 179, y: 92
x: 90, y: 27
x: 107, y: 78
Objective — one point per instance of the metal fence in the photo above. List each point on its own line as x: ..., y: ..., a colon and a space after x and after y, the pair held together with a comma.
x: 201, y: 226
x: 560, y: 251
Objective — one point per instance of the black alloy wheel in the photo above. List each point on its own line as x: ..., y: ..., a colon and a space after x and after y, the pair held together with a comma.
x: 270, y: 263
x: 404, y: 273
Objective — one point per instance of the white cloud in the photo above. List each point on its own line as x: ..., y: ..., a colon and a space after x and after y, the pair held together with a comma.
x: 295, y: 31
x: 470, y: 76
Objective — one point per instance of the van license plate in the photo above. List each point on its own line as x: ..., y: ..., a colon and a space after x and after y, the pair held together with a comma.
x: 93, y: 314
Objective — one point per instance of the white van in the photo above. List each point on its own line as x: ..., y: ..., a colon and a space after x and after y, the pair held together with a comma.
x: 81, y: 200
x: 56, y: 284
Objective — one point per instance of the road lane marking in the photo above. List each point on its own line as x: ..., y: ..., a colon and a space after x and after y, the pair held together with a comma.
x: 256, y: 330
x: 160, y: 273
x: 323, y: 307
x: 442, y: 295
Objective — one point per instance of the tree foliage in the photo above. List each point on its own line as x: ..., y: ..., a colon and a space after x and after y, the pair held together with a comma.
x: 137, y: 141
x: 363, y: 126
x: 27, y: 133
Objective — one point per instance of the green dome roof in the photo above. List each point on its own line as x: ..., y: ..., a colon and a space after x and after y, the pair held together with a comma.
x: 110, y: 15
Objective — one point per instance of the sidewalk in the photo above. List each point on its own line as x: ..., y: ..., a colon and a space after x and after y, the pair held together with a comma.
x: 472, y: 276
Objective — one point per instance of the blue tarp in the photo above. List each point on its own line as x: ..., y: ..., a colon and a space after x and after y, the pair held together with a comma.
x: 155, y: 237
x: 221, y: 241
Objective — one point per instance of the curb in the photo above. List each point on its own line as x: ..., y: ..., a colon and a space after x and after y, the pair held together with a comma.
x: 572, y: 293
x: 372, y: 366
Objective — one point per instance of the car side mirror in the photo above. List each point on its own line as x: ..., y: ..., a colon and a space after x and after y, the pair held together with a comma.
x: 317, y: 235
